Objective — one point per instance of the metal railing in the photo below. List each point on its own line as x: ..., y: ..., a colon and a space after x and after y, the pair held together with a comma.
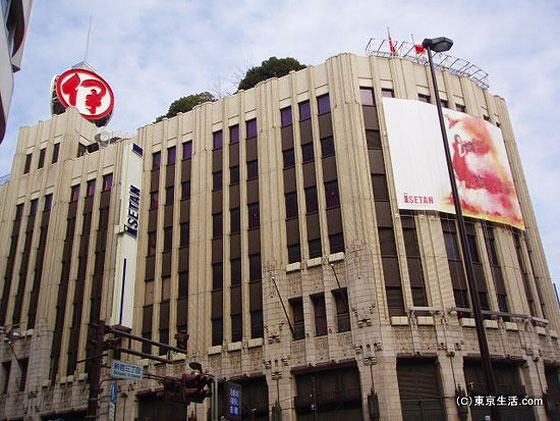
x: 442, y: 61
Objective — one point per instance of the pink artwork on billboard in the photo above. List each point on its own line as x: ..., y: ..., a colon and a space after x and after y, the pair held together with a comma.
x: 482, y: 171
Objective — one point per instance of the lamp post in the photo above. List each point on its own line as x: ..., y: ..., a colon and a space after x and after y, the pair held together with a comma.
x: 440, y: 45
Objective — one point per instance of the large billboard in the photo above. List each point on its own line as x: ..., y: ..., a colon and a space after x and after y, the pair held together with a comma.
x: 480, y: 162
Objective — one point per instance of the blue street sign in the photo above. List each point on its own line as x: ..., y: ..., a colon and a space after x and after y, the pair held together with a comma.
x: 234, y: 401
x: 124, y: 370
x: 113, y: 392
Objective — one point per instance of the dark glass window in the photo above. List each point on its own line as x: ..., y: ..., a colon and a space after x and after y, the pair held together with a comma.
x: 252, y: 169
x: 41, y: 158
x: 183, y: 284
x: 167, y: 238
x: 304, y: 110
x: 184, y: 240
x: 294, y: 253
x: 424, y: 98
x: 75, y: 193
x: 286, y: 116
x: 257, y: 324
x: 217, y: 180
x: 387, y: 93
x: 217, y: 275
x: 156, y: 160
x: 323, y: 104
x: 6, y: 368
x: 169, y: 195
x: 234, y: 175
x: 373, y: 139
x: 336, y: 243
x: 218, y: 140
x: 291, y: 205
x: 251, y: 128
x: 297, y: 315
x: 82, y: 150
x: 187, y: 150
x: 236, y: 327
x: 27, y: 163
x: 217, y: 331
x: 254, y: 267
x: 235, y: 271
x: 461, y: 107
x: 485, y: 117
x: 331, y: 194
x: 48, y: 202
x: 234, y: 134
x: 307, y: 152
x: 107, y: 182
x: 315, y: 249
x: 451, y: 246
x: 254, y: 220
x: 171, y: 155
x: 19, y: 211
x: 311, y: 199
x: 23, y: 365
x: 235, y: 220
x: 185, y: 190
x: 56, y: 148
x: 367, y: 96
x: 152, y: 240
x: 154, y: 199
x: 289, y: 159
x: 342, y: 310
x: 217, y: 225
x: 320, y: 314
x: 327, y: 146
x: 33, y: 207
x: 445, y: 103
x: 90, y: 188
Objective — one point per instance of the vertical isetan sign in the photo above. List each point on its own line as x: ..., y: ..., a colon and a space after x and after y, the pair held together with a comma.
x: 127, y: 239
x: 480, y: 162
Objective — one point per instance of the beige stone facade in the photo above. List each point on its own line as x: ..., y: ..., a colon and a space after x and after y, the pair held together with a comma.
x: 296, y: 293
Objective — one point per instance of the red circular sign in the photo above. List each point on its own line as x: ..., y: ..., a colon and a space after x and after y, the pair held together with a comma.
x: 87, y: 91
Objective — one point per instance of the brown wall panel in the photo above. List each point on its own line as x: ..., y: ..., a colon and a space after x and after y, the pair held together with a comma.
x: 377, y: 166
x: 289, y: 180
x: 236, y: 299
x: 185, y: 170
x: 313, y: 228
x: 309, y: 174
x: 234, y: 196
x: 170, y: 175
x: 168, y: 216
x: 254, y: 241
x: 329, y: 169
x: 305, y: 131
x: 334, y: 221
x: 255, y: 295
x: 217, y: 201
x: 234, y: 154
x: 217, y: 251
x: 184, y: 209
x: 370, y: 118
x: 292, y: 231
x: 287, y: 137
x: 152, y: 220
x: 253, y: 190
x: 154, y: 180
x: 166, y: 264
x: 251, y: 146
x: 235, y: 246
x: 325, y: 125
x: 217, y: 304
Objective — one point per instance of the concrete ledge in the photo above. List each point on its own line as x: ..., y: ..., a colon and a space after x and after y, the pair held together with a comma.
x: 234, y: 346
x: 336, y: 257
x: 511, y: 326
x: 491, y: 324
x: 467, y: 322
x: 314, y: 262
x: 425, y: 320
x: 292, y: 267
x: 177, y: 356
x: 82, y: 377
x: 29, y: 332
x: 252, y: 343
x: 215, y: 350
x: 540, y: 330
x: 553, y: 333
x: 399, y: 320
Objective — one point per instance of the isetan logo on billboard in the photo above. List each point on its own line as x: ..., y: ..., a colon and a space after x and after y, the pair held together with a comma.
x: 418, y: 200
x: 131, y: 223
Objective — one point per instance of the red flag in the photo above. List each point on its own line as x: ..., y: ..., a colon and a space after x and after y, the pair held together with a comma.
x: 391, y: 45
x: 419, y: 49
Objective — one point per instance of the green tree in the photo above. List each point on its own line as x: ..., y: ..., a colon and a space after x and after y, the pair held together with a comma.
x: 186, y: 103
x: 273, y: 67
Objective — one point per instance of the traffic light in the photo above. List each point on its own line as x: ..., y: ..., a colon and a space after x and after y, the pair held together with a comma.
x: 195, y: 387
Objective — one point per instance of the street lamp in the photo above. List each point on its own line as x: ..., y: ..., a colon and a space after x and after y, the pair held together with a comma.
x: 440, y: 45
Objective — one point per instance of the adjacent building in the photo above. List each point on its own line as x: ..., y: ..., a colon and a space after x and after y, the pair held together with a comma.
x: 270, y: 240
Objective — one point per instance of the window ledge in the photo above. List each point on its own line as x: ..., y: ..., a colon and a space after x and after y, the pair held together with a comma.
x: 213, y: 350
x: 336, y: 257
x: 467, y: 322
x: 511, y: 326
x: 541, y: 330
x: 234, y: 346
x: 491, y: 324
x: 82, y: 377
x: 292, y: 267
x: 252, y: 343
x: 316, y: 261
x: 425, y: 320
x: 399, y: 321
x: 553, y: 333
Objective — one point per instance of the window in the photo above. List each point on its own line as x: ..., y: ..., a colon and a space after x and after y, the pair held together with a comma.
x: 234, y: 134
x: 27, y: 163
x: 451, y: 246
x: 311, y: 199
x: 217, y: 225
x: 291, y: 205
x: 323, y: 104
x: 171, y: 155
x: 251, y: 128
x: 218, y: 139
x: 320, y: 314
x: 82, y: 150
x: 342, y: 310
x: 183, y: 284
x: 373, y: 139
x: 217, y: 276
x: 424, y: 98
x: 236, y: 327
x: 167, y: 238
x: 156, y: 160
x: 315, y: 249
x: 48, y: 202
x: 294, y: 253
x: 152, y: 240
x: 217, y: 180
x: 33, y: 207
x: 304, y: 110
x: 445, y: 103
x: 107, y: 182
x: 336, y: 243
x: 387, y: 93
x: 184, y: 240
x: 235, y: 220
x: 169, y: 195
x: 254, y: 267
x: 187, y: 150
x: 217, y: 331
x: 185, y: 190
x: 90, y: 191
x: 307, y: 152
x: 254, y: 220
x: 327, y: 146
x: 41, y: 158
x: 461, y: 107
x: 19, y: 211
x: 56, y: 148
x: 23, y: 364
x: 235, y: 271
x: 6, y: 368
x: 297, y: 316
x: 289, y: 159
x: 234, y: 175
x: 257, y: 324
x: 485, y: 117
x: 74, y: 193
x: 154, y: 199
x: 252, y: 169
x: 367, y: 96
x: 331, y: 194
x: 286, y: 116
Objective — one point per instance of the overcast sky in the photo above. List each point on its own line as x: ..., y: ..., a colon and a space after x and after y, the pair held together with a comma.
x: 152, y: 52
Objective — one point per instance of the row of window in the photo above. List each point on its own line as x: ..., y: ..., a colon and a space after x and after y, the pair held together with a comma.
x: 323, y: 107
x: 172, y: 155
x: 41, y: 162
x: 90, y: 187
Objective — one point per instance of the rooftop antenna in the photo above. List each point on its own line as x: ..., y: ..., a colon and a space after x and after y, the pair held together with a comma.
x: 87, y: 39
